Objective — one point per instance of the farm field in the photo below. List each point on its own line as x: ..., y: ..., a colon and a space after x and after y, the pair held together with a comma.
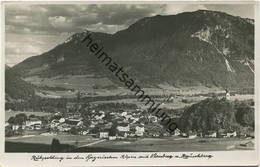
x: 104, y: 87
x: 80, y: 82
x: 77, y: 143
x: 171, y: 145
x: 175, y: 104
x: 42, y: 143
x: 178, y: 102
x: 46, y: 138
x: 33, y: 147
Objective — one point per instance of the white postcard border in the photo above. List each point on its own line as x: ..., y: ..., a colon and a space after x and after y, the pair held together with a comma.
x: 220, y: 158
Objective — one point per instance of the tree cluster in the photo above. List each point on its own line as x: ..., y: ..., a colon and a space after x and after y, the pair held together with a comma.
x: 213, y: 114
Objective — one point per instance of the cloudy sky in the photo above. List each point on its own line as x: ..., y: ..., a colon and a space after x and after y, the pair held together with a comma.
x: 34, y: 29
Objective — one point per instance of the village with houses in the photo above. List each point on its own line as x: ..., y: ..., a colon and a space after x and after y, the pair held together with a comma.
x: 111, y: 124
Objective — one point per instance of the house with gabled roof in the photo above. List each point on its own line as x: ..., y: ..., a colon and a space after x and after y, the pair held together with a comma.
x: 33, y: 123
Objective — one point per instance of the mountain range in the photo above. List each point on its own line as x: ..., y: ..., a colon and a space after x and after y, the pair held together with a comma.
x: 201, y: 48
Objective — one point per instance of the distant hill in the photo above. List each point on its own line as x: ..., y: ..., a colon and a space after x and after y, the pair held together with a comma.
x: 16, y: 88
x: 205, y: 48
x: 7, y: 67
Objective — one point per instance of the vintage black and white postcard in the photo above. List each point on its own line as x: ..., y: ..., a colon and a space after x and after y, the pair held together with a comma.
x: 129, y: 83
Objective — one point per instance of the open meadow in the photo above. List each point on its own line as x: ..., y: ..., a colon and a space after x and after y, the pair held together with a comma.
x: 29, y: 143
x: 173, y: 144
x: 77, y: 143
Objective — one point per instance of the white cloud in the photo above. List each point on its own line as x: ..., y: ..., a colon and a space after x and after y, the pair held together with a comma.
x: 59, y: 20
x: 14, y: 59
x: 17, y: 52
x: 61, y: 23
x: 22, y: 48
